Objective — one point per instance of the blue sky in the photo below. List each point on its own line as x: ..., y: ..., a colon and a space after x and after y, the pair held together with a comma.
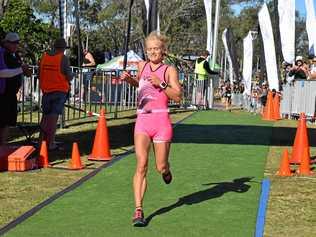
x: 299, y: 5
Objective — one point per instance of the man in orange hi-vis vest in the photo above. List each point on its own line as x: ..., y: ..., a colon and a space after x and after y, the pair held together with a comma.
x: 54, y: 76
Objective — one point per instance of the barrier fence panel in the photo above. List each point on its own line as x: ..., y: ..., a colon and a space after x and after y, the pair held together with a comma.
x: 298, y: 98
x: 247, y: 103
x: 287, y: 100
x: 91, y: 90
x: 198, y: 93
x: 236, y: 99
x: 28, y: 99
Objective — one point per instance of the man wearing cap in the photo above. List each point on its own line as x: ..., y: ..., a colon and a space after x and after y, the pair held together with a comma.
x: 54, y: 76
x: 11, y: 74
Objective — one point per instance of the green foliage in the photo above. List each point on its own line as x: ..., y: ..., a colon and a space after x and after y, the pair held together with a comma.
x: 35, y: 35
x: 103, y: 25
x: 301, y: 39
x: 48, y: 8
x: 89, y: 11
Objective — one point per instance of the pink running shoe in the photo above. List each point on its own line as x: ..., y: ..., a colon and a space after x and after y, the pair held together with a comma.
x: 167, y: 177
x: 138, y: 218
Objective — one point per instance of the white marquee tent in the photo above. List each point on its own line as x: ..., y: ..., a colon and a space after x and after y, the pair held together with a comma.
x: 117, y: 63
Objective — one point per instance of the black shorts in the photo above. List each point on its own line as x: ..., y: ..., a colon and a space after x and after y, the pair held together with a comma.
x: 263, y: 100
x: 53, y: 102
x: 9, y: 113
x: 87, y: 77
x: 228, y: 95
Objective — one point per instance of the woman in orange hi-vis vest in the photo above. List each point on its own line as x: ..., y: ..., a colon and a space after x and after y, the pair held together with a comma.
x: 54, y: 76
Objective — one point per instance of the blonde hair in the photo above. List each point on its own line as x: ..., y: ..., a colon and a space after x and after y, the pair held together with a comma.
x: 157, y: 36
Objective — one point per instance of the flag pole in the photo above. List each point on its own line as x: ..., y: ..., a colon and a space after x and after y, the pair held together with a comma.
x: 128, y: 30
x: 78, y: 33
x: 216, y: 26
x: 61, y: 22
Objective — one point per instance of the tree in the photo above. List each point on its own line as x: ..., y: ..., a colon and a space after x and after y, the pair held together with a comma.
x: 46, y: 8
x: 103, y: 23
x: 301, y: 38
x: 3, y: 5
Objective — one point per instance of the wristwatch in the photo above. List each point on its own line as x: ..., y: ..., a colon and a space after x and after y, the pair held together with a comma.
x: 163, y: 85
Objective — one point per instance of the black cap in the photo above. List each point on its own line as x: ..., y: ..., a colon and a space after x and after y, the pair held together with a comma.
x: 60, y: 43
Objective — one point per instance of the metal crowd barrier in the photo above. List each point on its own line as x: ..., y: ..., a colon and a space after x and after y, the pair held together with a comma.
x: 89, y: 92
x: 93, y: 89
x: 246, y: 102
x: 286, y: 100
x: 237, y: 99
x: 198, y: 93
x: 298, y: 98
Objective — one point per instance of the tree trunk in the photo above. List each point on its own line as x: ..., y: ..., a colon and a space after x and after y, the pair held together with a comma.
x: 3, y: 4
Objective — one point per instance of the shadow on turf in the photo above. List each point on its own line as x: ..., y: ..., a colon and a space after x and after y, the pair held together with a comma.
x: 239, y: 135
x: 122, y: 136
x: 237, y: 185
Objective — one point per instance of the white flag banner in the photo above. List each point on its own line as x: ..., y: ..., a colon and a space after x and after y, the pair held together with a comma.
x: 208, y: 10
x: 158, y: 23
x: 247, y: 63
x: 229, y: 59
x: 286, y: 9
x: 310, y: 25
x: 147, y: 8
x: 269, y: 48
x: 64, y: 15
x: 70, y: 30
x: 152, y: 16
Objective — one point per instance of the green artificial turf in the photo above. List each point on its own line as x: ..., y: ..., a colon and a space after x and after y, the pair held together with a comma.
x: 217, y: 160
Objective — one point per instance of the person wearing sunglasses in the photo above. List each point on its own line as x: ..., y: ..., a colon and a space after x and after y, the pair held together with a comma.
x: 299, y: 70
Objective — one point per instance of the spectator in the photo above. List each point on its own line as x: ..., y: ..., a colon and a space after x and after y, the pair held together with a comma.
x: 88, y: 59
x: 264, y: 95
x: 227, y: 95
x: 11, y: 74
x: 107, y: 55
x: 202, y: 66
x: 287, y: 78
x: 312, y: 70
x: 254, y: 100
x: 55, y: 76
x: 202, y: 69
x: 299, y: 70
x: 88, y: 72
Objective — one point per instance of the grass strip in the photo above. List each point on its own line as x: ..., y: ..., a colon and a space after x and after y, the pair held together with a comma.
x: 217, y: 160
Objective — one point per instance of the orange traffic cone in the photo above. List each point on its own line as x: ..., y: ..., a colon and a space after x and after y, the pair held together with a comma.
x: 304, y: 168
x: 276, y: 107
x: 75, y: 158
x: 101, y: 147
x: 285, y: 169
x: 43, y: 156
x: 300, y: 141
x: 268, y: 109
